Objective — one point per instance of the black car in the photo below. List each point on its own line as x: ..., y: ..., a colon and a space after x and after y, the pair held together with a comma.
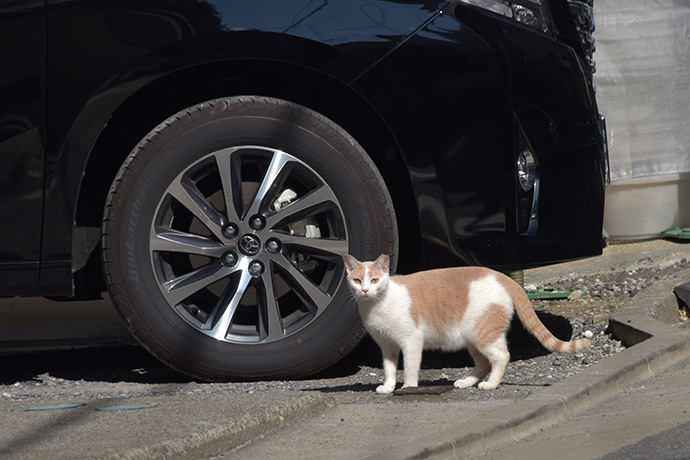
x: 209, y: 162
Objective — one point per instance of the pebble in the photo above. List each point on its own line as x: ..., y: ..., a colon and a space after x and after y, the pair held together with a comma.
x: 575, y: 295
x: 600, y: 319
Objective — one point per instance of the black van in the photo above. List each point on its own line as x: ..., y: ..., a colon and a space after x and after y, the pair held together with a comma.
x: 209, y: 162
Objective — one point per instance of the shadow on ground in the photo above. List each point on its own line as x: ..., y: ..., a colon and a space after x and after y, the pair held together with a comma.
x: 131, y: 363
x: 522, y: 345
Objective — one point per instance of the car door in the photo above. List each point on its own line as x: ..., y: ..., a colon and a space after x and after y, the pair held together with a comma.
x: 22, y: 130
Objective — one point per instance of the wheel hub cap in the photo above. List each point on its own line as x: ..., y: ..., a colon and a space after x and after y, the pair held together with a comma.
x: 249, y: 245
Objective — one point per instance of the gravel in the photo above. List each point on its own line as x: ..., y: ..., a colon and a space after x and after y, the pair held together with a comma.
x: 128, y: 371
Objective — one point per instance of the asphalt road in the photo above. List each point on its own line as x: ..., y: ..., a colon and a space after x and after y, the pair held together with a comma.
x: 672, y: 444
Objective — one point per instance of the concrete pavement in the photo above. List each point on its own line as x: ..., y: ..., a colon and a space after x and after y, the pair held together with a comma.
x: 204, y: 426
x: 145, y: 427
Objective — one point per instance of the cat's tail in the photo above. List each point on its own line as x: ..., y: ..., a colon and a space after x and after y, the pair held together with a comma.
x: 525, y: 311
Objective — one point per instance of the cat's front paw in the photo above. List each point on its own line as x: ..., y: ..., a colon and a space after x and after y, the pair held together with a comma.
x: 385, y: 389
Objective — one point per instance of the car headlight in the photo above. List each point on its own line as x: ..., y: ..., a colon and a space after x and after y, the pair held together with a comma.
x: 531, y: 13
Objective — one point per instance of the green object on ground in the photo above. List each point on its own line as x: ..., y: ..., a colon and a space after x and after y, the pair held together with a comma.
x: 680, y: 233
x: 541, y: 293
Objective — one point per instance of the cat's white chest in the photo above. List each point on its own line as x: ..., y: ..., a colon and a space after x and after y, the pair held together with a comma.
x: 389, y: 316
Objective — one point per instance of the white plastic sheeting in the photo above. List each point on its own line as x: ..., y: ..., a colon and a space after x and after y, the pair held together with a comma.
x: 643, y: 85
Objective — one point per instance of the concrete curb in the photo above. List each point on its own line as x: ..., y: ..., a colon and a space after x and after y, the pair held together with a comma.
x: 228, y: 436
x: 654, y: 347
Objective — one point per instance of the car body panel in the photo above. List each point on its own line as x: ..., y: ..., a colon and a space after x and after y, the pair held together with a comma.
x: 456, y: 141
x: 453, y: 141
x: 22, y: 132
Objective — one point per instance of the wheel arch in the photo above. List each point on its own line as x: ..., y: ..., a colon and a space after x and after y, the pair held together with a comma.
x: 151, y: 104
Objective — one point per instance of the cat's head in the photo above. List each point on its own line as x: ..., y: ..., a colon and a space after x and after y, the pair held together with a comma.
x: 367, y: 280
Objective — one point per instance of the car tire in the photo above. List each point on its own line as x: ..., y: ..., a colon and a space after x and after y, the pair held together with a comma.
x: 223, y: 235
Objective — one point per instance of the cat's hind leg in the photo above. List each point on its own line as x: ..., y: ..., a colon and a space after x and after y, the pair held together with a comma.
x: 499, y: 357
x: 482, y: 367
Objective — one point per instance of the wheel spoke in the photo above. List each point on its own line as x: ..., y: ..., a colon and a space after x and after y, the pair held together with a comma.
x: 170, y: 240
x: 221, y: 318
x: 309, y: 204
x: 315, y: 246
x: 187, y: 193
x: 229, y: 182
x: 278, y: 162
x: 178, y: 289
x: 271, y: 309
x: 303, y: 285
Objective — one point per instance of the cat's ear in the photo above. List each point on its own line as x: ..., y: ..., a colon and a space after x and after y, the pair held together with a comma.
x: 383, y: 262
x: 351, y: 263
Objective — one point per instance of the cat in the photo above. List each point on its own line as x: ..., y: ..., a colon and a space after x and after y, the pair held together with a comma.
x: 446, y: 309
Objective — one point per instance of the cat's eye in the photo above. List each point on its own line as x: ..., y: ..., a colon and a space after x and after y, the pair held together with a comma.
x: 374, y: 280
x: 357, y: 281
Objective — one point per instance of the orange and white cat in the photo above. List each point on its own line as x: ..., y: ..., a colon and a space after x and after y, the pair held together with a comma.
x: 446, y: 309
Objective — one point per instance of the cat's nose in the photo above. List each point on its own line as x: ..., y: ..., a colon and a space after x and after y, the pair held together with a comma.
x: 365, y: 290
